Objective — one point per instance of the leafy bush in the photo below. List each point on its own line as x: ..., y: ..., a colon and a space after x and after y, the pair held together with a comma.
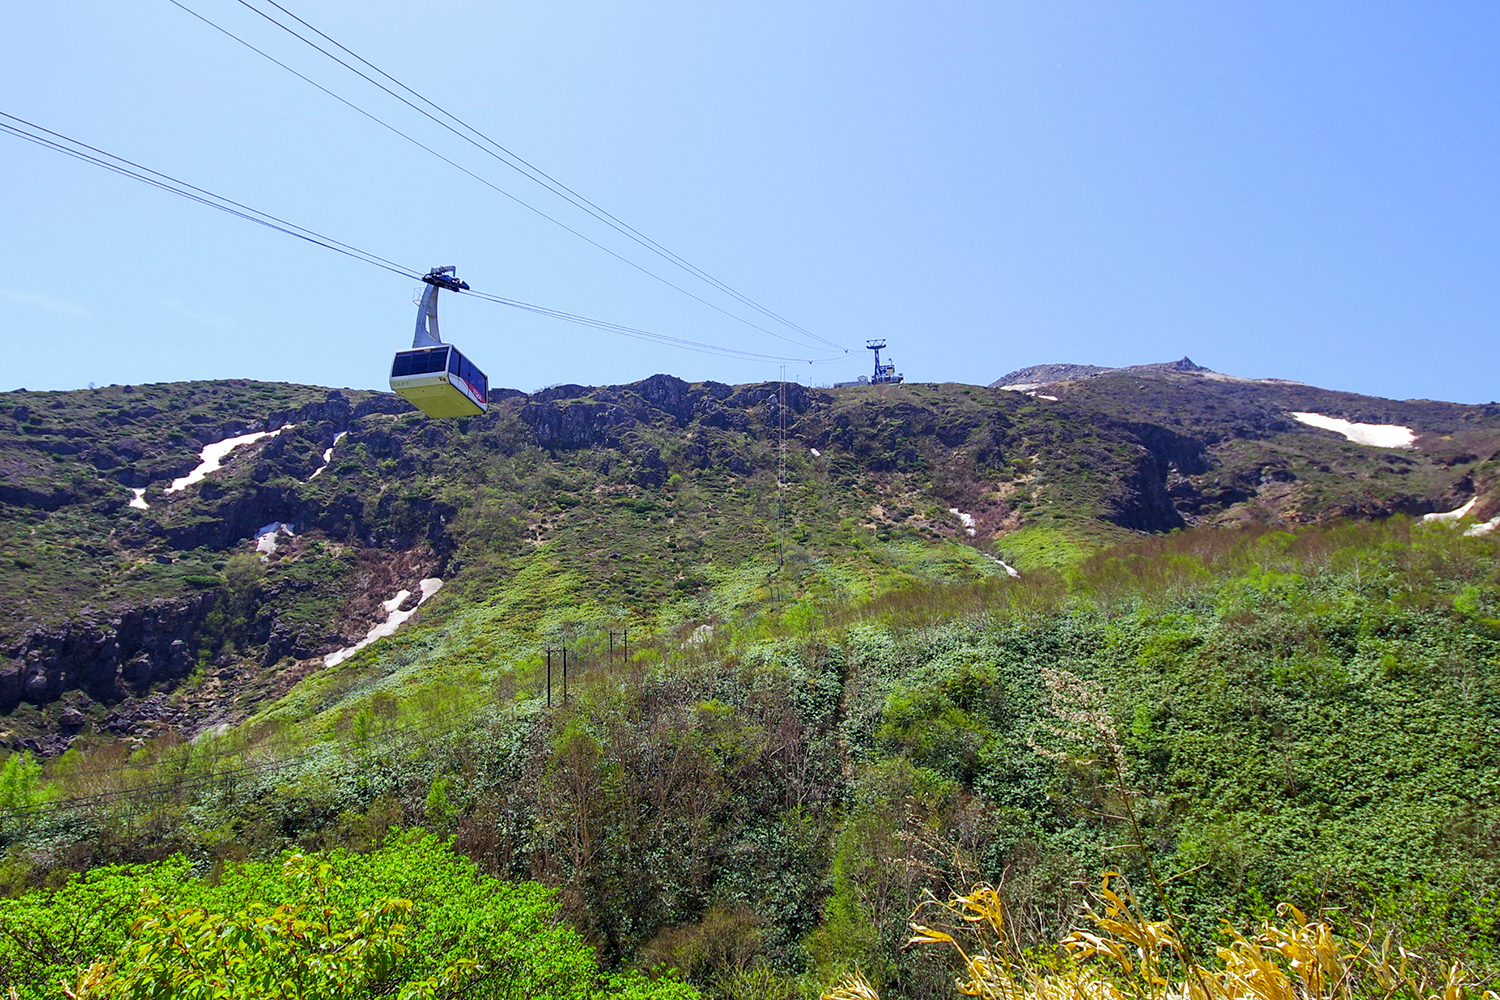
x: 411, y: 919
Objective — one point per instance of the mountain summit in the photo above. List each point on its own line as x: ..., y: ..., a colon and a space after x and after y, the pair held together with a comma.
x: 1038, y: 375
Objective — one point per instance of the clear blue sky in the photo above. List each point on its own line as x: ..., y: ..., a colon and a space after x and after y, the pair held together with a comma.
x: 1302, y: 190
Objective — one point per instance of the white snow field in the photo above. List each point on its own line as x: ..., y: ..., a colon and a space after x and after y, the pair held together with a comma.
x: 1010, y: 570
x: 265, y: 538
x: 1374, y: 435
x: 394, y: 619
x: 211, y: 458
x: 1448, y: 517
x: 1454, y: 516
x: 1485, y: 528
x: 327, y: 455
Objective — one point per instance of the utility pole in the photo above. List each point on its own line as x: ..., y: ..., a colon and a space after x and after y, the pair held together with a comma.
x: 781, y: 477
x: 625, y: 639
x: 780, y: 492
x: 564, y: 652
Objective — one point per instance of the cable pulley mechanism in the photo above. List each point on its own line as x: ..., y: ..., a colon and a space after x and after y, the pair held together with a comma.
x: 433, y: 376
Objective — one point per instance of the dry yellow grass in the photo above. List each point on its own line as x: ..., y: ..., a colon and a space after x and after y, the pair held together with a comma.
x: 1124, y: 956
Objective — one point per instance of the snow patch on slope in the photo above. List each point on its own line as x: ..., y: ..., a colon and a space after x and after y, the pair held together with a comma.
x: 1448, y: 517
x: 1483, y: 529
x: 1030, y: 389
x: 139, y: 500
x: 394, y: 619
x: 327, y: 455
x: 1010, y: 570
x: 1454, y: 516
x: 265, y: 538
x: 211, y: 458
x: 1373, y: 435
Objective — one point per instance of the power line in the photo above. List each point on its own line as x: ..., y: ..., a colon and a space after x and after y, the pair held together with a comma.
x: 522, y: 166
x: 637, y: 334
x: 435, y: 730
x: 128, y: 168
x: 383, y: 742
x: 486, y: 182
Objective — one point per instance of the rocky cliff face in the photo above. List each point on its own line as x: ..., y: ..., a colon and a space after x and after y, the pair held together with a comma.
x: 107, y: 656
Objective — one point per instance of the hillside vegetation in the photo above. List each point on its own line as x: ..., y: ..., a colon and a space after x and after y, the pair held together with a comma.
x: 790, y: 716
x: 655, y: 502
x: 1303, y: 716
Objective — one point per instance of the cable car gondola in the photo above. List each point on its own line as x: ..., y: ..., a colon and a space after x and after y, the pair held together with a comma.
x: 434, y: 376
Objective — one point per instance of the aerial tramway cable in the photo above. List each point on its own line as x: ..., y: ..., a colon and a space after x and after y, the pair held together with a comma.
x: 628, y: 331
x: 523, y: 166
x: 58, y: 142
x: 600, y: 214
x: 128, y: 168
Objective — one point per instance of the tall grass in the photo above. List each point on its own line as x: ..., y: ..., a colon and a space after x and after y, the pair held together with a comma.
x: 1120, y: 954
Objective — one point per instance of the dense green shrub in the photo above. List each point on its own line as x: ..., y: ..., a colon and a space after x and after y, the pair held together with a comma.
x: 1308, y: 716
x: 411, y: 919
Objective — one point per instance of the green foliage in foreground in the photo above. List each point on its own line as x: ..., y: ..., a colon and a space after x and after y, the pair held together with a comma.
x: 1311, y: 717
x: 411, y: 919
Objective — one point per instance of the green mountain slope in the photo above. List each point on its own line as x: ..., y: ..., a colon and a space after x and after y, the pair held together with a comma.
x: 804, y: 684
x: 1305, y: 716
x: 653, y: 501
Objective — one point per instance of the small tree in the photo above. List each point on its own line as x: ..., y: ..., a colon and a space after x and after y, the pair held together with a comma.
x: 20, y: 782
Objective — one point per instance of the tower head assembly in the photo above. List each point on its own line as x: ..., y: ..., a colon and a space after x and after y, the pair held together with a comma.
x: 884, y: 374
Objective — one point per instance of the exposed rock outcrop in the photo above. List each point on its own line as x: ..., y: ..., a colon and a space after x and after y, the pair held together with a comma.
x: 109, y: 656
x: 1043, y: 374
